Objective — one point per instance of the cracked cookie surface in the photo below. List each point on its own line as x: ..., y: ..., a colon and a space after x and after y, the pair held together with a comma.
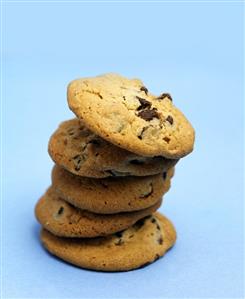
x: 126, y: 114
x: 110, y: 195
x: 84, y: 153
x: 143, y: 243
x: 64, y: 220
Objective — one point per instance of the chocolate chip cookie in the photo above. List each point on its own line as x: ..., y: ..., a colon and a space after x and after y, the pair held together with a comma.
x: 110, y: 195
x: 64, y: 220
x: 126, y: 114
x: 143, y: 243
x: 83, y: 153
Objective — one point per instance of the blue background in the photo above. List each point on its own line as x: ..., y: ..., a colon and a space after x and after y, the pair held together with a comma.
x: 194, y: 51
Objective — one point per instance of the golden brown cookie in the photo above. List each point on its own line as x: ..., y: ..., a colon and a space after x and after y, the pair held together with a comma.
x: 110, y: 195
x: 83, y: 153
x: 126, y: 114
x: 139, y: 245
x: 64, y: 220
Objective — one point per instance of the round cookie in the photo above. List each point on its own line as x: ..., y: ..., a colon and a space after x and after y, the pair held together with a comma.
x: 139, y: 245
x: 110, y: 195
x: 64, y: 220
x: 83, y: 153
x: 123, y: 112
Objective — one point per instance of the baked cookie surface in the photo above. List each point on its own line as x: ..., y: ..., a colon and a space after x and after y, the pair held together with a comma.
x: 126, y: 114
x: 110, y: 195
x: 83, y: 153
x: 139, y: 245
x: 64, y: 220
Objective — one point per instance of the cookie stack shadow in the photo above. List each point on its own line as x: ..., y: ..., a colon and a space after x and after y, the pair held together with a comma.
x: 100, y: 211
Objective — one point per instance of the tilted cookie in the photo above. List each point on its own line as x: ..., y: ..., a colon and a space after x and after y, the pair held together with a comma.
x: 110, y: 195
x: 64, y: 220
x: 83, y: 153
x: 139, y: 245
x: 126, y: 114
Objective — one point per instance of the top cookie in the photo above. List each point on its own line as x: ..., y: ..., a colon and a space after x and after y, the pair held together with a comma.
x: 123, y: 112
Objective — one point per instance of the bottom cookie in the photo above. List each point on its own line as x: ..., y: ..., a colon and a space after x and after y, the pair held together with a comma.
x: 143, y: 243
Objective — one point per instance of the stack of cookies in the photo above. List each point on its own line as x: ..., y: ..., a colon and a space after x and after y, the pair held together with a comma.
x: 113, y: 164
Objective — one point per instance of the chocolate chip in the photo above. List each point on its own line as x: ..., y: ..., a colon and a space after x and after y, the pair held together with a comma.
x: 166, y: 139
x: 61, y: 210
x: 153, y: 220
x: 143, y: 103
x: 149, y: 114
x: 78, y: 167
x: 147, y: 194
x: 158, y: 227
x: 143, y: 88
x: 160, y: 240
x: 170, y: 119
x: 165, y: 95
x: 164, y: 175
x: 140, y: 136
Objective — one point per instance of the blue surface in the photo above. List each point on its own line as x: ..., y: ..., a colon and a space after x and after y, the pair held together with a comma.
x: 194, y: 51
